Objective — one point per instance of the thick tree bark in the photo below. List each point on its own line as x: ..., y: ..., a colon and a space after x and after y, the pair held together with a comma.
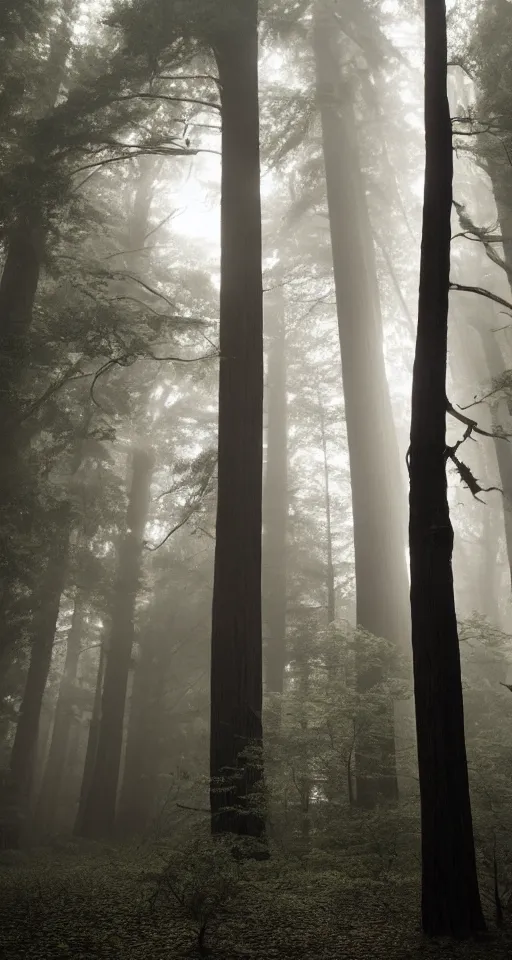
x: 46, y: 611
x: 379, y: 533
x: 18, y: 287
x: 276, y: 505
x: 20, y: 276
x: 450, y: 895
x: 56, y: 762
x: 236, y: 670
x: 100, y: 806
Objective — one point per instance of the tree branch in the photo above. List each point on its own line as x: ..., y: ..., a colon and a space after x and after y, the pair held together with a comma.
x: 482, y: 292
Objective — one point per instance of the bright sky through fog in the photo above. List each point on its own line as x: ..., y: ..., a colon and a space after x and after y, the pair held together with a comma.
x: 199, y: 208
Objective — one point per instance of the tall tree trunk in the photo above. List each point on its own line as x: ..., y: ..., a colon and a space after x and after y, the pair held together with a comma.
x: 49, y: 796
x: 137, y: 797
x: 18, y: 287
x: 236, y: 664
x: 100, y: 806
x: 381, y: 573
x: 331, y: 596
x: 22, y: 267
x: 276, y: 504
x: 92, y: 745
x: 502, y: 188
x: 302, y: 777
x: 450, y: 895
x: 496, y: 366
x: 42, y: 631
x: 24, y: 242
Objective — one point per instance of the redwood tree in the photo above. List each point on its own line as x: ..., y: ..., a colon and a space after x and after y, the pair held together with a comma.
x: 450, y: 895
x: 379, y: 526
x: 236, y: 663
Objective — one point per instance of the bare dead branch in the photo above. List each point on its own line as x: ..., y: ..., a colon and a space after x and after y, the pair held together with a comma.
x: 482, y: 292
x: 472, y: 425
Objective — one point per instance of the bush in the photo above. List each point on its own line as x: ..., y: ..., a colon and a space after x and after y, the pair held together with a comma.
x: 203, y: 877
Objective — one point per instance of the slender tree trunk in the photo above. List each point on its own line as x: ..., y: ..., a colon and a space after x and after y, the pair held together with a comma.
x: 496, y: 366
x: 331, y: 596
x: 46, y: 611
x: 136, y: 797
x: 63, y: 722
x: 501, y: 186
x: 489, y: 595
x: 92, y: 745
x: 381, y: 574
x: 236, y: 670
x: 450, y: 896
x: 303, y: 778
x: 276, y: 505
x: 100, y: 807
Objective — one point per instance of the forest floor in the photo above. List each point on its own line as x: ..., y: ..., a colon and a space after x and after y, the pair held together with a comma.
x: 97, y: 904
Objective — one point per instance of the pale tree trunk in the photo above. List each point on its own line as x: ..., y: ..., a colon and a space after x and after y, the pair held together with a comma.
x: 275, y: 503
x: 379, y: 534
x: 331, y: 596
x: 100, y: 806
x: 42, y: 634
x: 497, y: 368
x: 144, y: 736
x: 135, y: 800
x: 56, y: 763
x: 92, y: 744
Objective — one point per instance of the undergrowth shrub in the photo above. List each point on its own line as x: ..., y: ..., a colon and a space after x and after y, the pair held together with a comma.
x: 203, y: 877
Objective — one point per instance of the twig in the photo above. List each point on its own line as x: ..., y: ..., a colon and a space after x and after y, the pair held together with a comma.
x: 473, y: 425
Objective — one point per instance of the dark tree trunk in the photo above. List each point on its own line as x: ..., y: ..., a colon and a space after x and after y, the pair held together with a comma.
x: 379, y: 532
x: 450, y: 896
x: 20, y: 276
x: 100, y: 805
x: 18, y: 287
x: 236, y: 670
x: 62, y: 726
x: 276, y: 505
x: 42, y: 631
x: 92, y: 745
